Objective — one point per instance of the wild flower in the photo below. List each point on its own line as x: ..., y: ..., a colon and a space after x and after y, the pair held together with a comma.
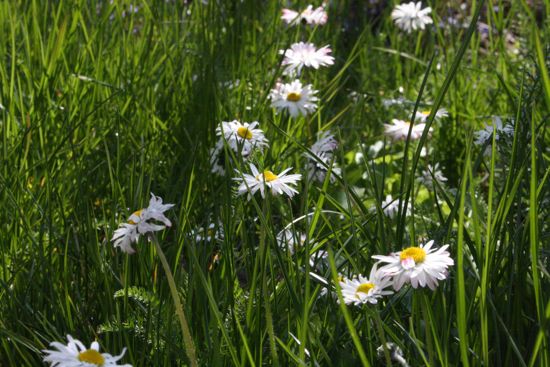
x: 418, y: 265
x: 361, y: 290
x: 399, y: 130
x: 244, y: 137
x: 322, y: 150
x: 317, y: 16
x: 410, y: 17
x: 302, y: 54
x: 294, y: 98
x: 277, y: 184
x: 75, y: 354
x: 142, y: 221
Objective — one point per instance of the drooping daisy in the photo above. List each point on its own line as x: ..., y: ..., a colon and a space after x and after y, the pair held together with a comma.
x: 305, y: 54
x: 423, y: 115
x: 309, y: 15
x: 390, y: 207
x: 75, y: 354
x: 426, y: 178
x: 420, y: 266
x: 323, y: 150
x: 409, y: 17
x: 141, y: 222
x: 496, y: 125
x: 399, y: 129
x: 294, y: 98
x: 361, y: 290
x: 277, y: 184
x: 242, y: 137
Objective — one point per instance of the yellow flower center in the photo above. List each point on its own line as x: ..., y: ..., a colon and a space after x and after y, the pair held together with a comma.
x: 91, y: 356
x: 293, y: 97
x: 269, y: 176
x: 137, y: 213
x: 426, y: 113
x: 416, y: 253
x: 364, y: 288
x: 244, y: 133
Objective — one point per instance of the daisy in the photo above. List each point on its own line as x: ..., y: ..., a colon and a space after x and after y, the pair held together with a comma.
x: 427, y: 177
x: 75, y: 354
x: 293, y: 241
x: 212, y: 232
x: 322, y: 150
x: 309, y: 15
x: 399, y: 129
x: 305, y: 54
x: 409, y: 17
x: 294, y: 98
x: 390, y: 207
x: 242, y: 137
x: 141, y: 222
x: 278, y: 184
x: 423, y: 115
x: 421, y: 266
x: 496, y: 125
x: 361, y: 290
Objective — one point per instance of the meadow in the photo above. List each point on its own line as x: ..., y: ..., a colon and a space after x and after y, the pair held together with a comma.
x: 204, y: 183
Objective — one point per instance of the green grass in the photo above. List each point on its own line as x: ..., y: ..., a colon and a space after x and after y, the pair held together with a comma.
x: 100, y: 106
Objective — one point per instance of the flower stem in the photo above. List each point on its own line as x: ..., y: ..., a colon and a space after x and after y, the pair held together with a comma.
x: 187, y: 339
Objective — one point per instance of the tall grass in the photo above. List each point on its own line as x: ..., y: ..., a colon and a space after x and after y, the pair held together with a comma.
x: 101, y: 105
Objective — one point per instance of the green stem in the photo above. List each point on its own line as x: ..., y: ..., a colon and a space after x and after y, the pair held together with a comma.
x: 187, y: 339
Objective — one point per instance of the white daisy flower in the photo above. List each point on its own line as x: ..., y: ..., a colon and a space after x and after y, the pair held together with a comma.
x: 486, y: 134
x: 75, y: 354
x: 294, y: 98
x: 390, y: 207
x: 309, y: 16
x: 409, y: 17
x: 305, y: 54
x: 420, y: 266
x: 242, y: 137
x: 423, y: 115
x: 399, y: 129
x: 427, y: 178
x: 361, y: 290
x: 141, y: 222
x: 277, y: 184
x: 323, y: 150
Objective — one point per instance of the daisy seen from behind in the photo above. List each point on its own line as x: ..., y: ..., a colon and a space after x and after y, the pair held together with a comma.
x: 410, y: 17
x: 242, y: 137
x: 322, y: 150
x: 301, y: 55
x: 317, y: 16
x: 294, y: 98
x: 420, y: 266
x: 361, y: 290
x: 142, y: 221
x: 75, y: 354
x: 278, y: 184
x: 399, y: 130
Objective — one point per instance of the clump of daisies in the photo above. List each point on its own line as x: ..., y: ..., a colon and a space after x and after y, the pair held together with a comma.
x: 419, y: 266
x: 310, y: 16
x: 323, y: 151
x: 399, y: 130
x: 75, y: 354
x: 360, y: 289
x: 294, y: 98
x: 410, y: 17
x: 277, y: 184
x: 301, y: 55
x: 142, y: 222
x: 243, y: 138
